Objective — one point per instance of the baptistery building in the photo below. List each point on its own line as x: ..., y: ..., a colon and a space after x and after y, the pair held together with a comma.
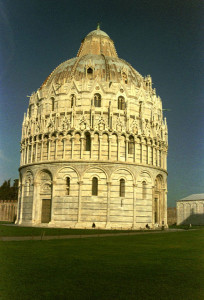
x: 94, y: 145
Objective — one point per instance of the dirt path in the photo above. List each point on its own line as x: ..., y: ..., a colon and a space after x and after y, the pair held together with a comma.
x: 64, y: 237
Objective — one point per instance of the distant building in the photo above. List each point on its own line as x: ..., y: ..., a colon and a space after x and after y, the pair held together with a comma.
x: 94, y: 145
x: 8, y: 210
x: 190, y: 210
x: 171, y: 215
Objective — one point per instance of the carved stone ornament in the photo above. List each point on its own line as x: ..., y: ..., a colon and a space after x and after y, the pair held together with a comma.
x: 119, y: 125
x: 134, y: 127
x: 65, y: 124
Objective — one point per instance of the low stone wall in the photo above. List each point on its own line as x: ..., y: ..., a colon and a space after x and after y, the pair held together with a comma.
x: 171, y: 215
x: 8, y: 210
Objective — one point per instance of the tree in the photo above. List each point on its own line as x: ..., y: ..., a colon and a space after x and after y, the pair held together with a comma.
x: 8, y: 192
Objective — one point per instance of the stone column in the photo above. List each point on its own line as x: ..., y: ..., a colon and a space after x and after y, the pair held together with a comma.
x: 165, y: 207
x: 27, y: 153
x: 22, y: 155
x: 141, y: 152
x: 41, y: 154
x: 56, y: 144
x: 109, y: 147
x: 158, y: 160
x: 72, y: 147
x: 119, y: 142
x: 126, y: 149
x: 100, y: 146
x: 36, y: 203
x: 91, y: 152
x: 81, y: 147
x: 153, y: 208
x: 21, y: 204
x: 135, y: 150
x: 31, y: 155
x: 48, y: 149
x: 23, y: 162
x: 108, y: 203
x: 36, y: 151
x: 134, y: 205
x: 52, y: 221
x: 148, y: 153
x: 155, y: 156
x: 79, y: 201
x: 64, y: 146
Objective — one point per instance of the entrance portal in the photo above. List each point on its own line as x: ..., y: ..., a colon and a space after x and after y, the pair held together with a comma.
x: 46, y: 211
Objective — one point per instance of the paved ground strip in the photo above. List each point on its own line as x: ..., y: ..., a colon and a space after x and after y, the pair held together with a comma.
x: 62, y: 237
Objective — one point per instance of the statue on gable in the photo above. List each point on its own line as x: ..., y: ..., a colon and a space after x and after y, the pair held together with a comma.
x: 147, y: 129
x: 50, y: 125
x: 65, y: 124
x: 119, y: 125
x: 134, y: 127
x: 101, y: 123
x: 83, y: 123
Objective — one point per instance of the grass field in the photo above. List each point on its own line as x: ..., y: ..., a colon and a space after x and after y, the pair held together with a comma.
x: 154, y: 266
x: 37, y: 231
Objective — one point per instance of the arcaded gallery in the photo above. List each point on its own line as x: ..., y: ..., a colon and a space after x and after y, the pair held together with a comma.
x: 94, y: 145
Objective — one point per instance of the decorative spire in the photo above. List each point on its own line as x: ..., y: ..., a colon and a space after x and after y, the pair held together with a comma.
x: 98, y: 26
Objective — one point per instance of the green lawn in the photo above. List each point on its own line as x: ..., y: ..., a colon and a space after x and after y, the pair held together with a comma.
x: 37, y: 231
x: 154, y: 266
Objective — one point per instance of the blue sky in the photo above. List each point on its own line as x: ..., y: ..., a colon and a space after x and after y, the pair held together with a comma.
x: 160, y: 38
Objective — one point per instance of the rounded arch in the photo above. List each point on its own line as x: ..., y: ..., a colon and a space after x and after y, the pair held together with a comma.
x: 28, y: 173
x: 119, y: 169
x: 87, y: 171
x: 96, y: 132
x: 145, y: 175
x: 65, y: 168
x: 159, y: 181
x: 45, y: 171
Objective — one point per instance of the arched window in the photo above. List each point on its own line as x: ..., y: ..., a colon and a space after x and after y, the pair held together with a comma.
x: 68, y: 185
x: 131, y: 145
x: 122, y: 187
x: 97, y: 100
x: 144, y: 190
x: 90, y: 73
x: 73, y: 98
x: 95, y: 186
x: 87, y: 141
x: 53, y: 104
x: 121, y: 103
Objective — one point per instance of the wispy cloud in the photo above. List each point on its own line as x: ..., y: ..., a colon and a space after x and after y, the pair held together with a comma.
x: 3, y: 157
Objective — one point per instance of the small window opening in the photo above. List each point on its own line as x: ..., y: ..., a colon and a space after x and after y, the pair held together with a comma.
x: 131, y: 145
x: 97, y: 100
x: 121, y: 103
x: 68, y: 185
x: 122, y: 187
x: 87, y: 142
x: 144, y: 190
x: 73, y: 98
x: 95, y: 186
x: 90, y: 71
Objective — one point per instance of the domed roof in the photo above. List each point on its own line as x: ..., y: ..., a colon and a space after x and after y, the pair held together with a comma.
x: 96, y: 58
x: 98, y: 32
